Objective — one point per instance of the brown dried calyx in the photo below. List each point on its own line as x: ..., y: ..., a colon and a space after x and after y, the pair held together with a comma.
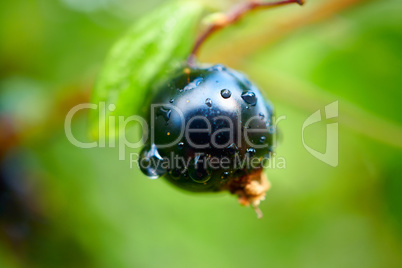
x: 250, y: 189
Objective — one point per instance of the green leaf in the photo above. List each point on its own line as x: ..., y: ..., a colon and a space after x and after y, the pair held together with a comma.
x: 155, y: 45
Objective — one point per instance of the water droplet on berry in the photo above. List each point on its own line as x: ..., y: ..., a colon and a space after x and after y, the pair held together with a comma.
x: 249, y: 97
x: 195, y: 83
x: 232, y: 149
x: 218, y: 67
x: 175, y: 173
x: 225, y: 93
x: 198, y: 81
x: 208, y: 102
x: 250, y: 152
x: 151, y: 162
x: 180, y: 145
x: 262, y: 139
x: 165, y: 113
x: 225, y: 175
x: 198, y: 170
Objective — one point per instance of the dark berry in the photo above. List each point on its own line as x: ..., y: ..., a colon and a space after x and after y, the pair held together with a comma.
x: 201, y: 118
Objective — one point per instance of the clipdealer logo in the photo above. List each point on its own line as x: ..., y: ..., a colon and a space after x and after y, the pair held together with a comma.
x: 330, y: 111
x: 331, y: 154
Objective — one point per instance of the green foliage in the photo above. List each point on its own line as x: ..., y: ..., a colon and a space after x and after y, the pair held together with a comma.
x: 156, y: 44
x: 100, y: 213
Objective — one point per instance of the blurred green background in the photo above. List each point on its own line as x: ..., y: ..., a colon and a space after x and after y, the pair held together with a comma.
x: 62, y: 206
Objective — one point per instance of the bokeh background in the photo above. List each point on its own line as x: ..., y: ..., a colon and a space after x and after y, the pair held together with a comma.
x: 62, y: 206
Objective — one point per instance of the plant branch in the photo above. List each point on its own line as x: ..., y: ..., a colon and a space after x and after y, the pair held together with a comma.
x: 231, y: 18
x: 244, y: 47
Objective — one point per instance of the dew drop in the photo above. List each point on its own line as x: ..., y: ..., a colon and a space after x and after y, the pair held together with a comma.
x: 218, y: 67
x: 175, y: 173
x: 268, y: 123
x: 197, y: 171
x: 165, y: 113
x: 208, y: 102
x: 225, y: 175
x: 232, y: 149
x: 171, y: 100
x: 262, y: 116
x: 195, y: 83
x: 250, y: 152
x: 225, y: 93
x: 151, y: 162
x: 180, y: 145
x: 198, y: 81
x: 262, y: 139
x: 249, y: 97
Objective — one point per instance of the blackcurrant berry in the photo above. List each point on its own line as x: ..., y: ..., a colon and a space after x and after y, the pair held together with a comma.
x: 210, y: 130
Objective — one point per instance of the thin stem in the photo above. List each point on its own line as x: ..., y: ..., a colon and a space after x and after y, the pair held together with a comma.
x: 280, y: 28
x: 231, y: 18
